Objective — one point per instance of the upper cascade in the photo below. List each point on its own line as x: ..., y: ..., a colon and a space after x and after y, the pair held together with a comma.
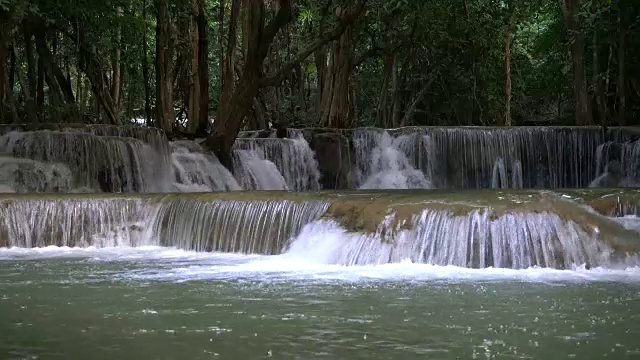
x: 135, y: 159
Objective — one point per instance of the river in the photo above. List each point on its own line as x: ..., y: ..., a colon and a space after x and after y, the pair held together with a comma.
x: 162, y: 303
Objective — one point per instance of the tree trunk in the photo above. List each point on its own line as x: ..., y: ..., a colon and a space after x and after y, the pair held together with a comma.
x: 4, y: 79
x: 116, y: 83
x: 336, y: 105
x: 622, y: 80
x: 194, y: 73
x: 507, y: 100
x: 570, y: 14
x: 599, y: 113
x: 203, y: 52
x: 53, y: 73
x: 231, y: 114
x: 12, y: 70
x: 30, y: 108
x: 383, y: 107
x: 40, y: 91
x: 145, y: 68
x: 164, y: 76
x: 31, y: 66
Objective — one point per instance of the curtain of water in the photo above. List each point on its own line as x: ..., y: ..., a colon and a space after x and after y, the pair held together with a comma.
x: 114, y: 164
x: 25, y: 175
x: 197, y: 171
x: 72, y: 222
x: 293, y: 158
x: 517, y: 240
x: 252, y: 227
x: 483, y: 158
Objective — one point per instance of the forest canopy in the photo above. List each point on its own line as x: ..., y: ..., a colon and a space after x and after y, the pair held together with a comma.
x: 215, y: 67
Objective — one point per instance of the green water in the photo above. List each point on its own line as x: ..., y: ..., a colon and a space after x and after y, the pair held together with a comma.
x: 163, y: 304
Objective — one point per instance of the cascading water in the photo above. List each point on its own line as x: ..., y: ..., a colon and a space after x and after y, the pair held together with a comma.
x: 257, y: 173
x: 618, y: 164
x: 25, y: 175
x: 475, y: 240
x: 525, y: 157
x: 245, y: 226
x: 138, y: 159
x: 73, y: 221
x: 293, y: 158
x: 437, y: 231
x: 112, y: 164
x: 197, y: 171
x: 389, y: 168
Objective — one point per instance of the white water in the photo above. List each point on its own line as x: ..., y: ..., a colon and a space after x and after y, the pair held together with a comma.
x: 389, y: 167
x: 257, y: 173
x: 167, y: 264
x: 196, y: 171
x: 315, y: 254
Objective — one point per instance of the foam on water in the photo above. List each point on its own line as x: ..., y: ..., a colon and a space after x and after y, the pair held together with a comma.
x: 175, y: 265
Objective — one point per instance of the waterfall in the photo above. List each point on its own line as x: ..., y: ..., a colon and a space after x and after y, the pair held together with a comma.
x: 388, y: 166
x: 618, y: 164
x: 112, y: 164
x: 519, y: 157
x: 25, y: 175
x: 476, y: 240
x: 514, y: 230
x: 245, y: 226
x: 197, y: 171
x: 73, y: 220
x: 293, y: 158
x: 256, y: 173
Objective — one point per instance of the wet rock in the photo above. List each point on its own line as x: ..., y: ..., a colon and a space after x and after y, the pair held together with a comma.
x: 332, y: 154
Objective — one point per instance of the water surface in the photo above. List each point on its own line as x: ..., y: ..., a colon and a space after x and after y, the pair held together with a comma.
x: 158, y: 303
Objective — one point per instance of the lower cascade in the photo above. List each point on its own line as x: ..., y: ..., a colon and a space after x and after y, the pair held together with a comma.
x: 475, y: 229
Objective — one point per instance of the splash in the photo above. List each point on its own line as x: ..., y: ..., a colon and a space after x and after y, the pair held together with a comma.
x: 512, y: 241
x: 25, y: 175
x: 111, y: 164
x: 257, y: 173
x: 389, y: 167
x: 197, y: 171
x: 293, y: 158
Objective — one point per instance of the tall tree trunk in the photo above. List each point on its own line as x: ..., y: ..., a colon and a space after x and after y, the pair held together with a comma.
x: 570, y: 9
x: 12, y: 69
x: 29, y: 108
x: 194, y: 73
x: 383, y: 106
x: 622, y: 79
x: 507, y: 100
x: 203, y: 69
x: 40, y: 91
x: 164, y: 76
x: 145, y: 68
x: 31, y: 62
x: 336, y: 106
x: 116, y: 83
x: 232, y: 114
x: 320, y: 57
x: 599, y: 113
x: 53, y: 73
x: 4, y: 79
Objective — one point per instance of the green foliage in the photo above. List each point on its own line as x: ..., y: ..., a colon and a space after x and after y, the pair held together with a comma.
x: 457, y: 47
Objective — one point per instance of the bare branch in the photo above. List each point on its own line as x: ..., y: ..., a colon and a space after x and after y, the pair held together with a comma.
x: 346, y: 20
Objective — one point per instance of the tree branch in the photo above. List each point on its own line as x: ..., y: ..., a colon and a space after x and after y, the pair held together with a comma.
x: 349, y: 17
x: 412, y: 108
x: 270, y: 31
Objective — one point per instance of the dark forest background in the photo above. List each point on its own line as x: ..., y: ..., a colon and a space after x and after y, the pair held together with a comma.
x: 216, y: 67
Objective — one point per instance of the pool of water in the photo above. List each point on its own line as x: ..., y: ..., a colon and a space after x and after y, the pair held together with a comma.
x: 158, y: 303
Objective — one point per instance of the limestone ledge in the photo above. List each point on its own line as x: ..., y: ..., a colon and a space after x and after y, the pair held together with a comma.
x: 365, y: 211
